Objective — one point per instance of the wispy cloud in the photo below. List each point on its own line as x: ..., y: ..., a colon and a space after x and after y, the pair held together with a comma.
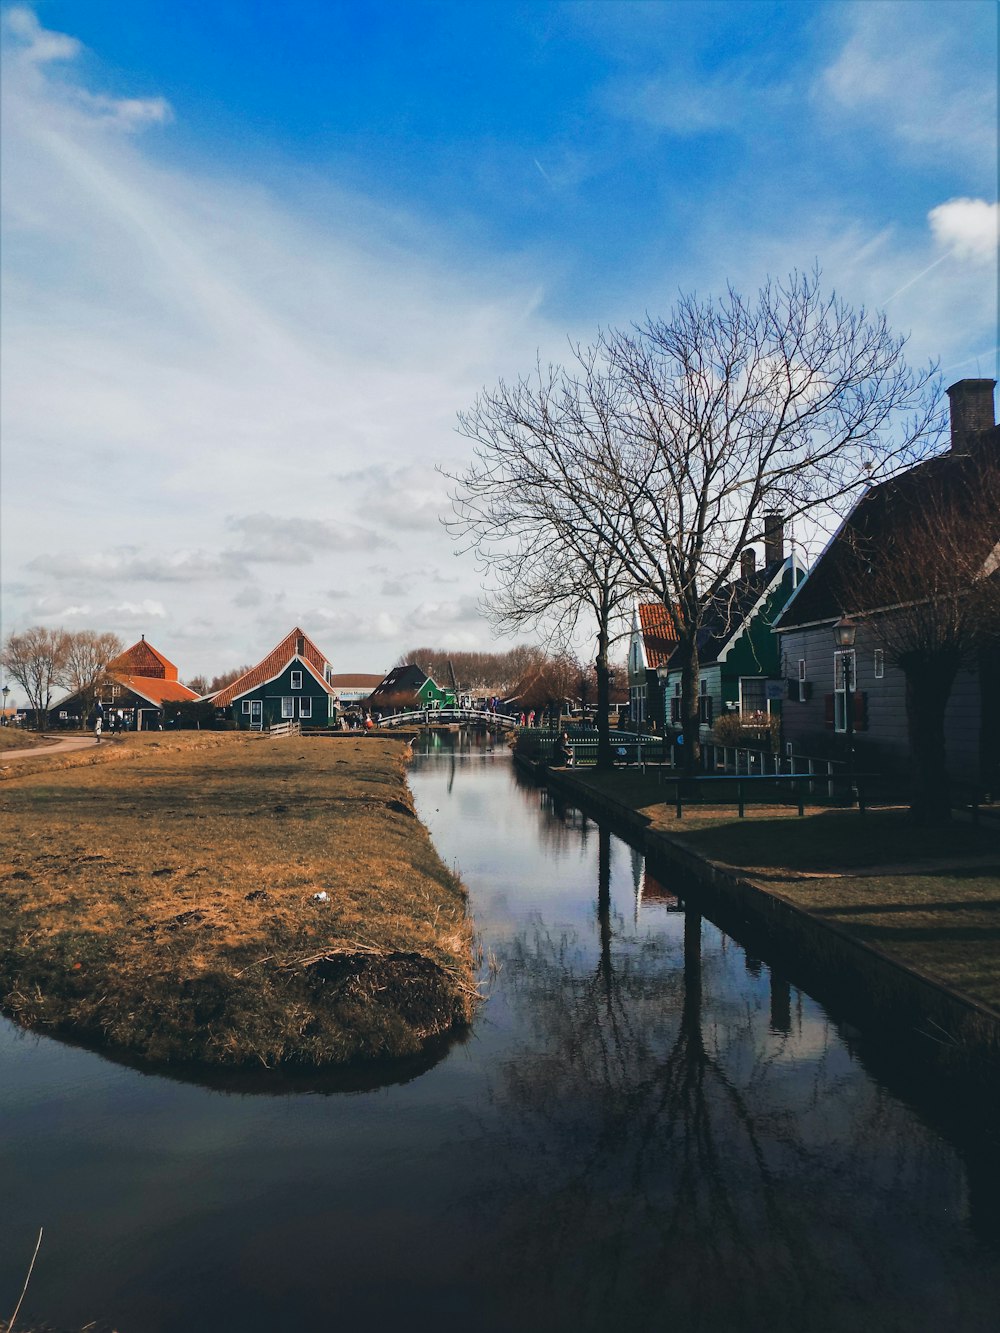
x: 181, y: 346
x: 926, y: 83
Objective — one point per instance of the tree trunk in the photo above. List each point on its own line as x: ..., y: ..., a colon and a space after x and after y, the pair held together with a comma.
x: 605, y: 759
x: 690, y: 724
x: 929, y: 679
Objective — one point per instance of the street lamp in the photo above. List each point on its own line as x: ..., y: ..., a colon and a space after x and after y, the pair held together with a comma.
x: 845, y: 631
x: 5, y: 691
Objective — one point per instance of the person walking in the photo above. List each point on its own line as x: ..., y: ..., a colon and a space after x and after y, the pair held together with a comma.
x: 97, y: 729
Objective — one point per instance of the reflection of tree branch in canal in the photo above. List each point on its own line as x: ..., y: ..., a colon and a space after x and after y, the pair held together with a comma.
x: 665, y: 1153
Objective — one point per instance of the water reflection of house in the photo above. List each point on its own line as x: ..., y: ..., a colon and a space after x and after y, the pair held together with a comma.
x: 651, y: 891
x: 137, y: 683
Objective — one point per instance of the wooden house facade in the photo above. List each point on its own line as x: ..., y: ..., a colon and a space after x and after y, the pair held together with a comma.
x: 739, y: 657
x: 133, y: 691
x: 290, y: 684
x: 826, y: 681
x: 407, y: 688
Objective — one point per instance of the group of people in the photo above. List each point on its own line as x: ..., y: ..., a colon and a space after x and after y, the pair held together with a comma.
x: 359, y: 721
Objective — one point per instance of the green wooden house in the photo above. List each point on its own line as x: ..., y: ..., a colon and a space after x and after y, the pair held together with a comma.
x: 739, y: 654
x: 407, y: 688
x: 291, y: 684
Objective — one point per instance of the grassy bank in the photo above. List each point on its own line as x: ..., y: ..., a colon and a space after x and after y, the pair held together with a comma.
x: 159, y: 895
x: 929, y: 898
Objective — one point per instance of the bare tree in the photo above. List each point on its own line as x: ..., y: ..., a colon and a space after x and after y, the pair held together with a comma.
x: 87, y: 655
x: 919, y: 562
x: 731, y: 410
x: 226, y: 678
x: 37, y: 661
x: 533, y: 506
x: 649, y: 466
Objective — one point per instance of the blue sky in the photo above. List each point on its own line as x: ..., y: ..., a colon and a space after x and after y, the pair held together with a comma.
x: 257, y: 256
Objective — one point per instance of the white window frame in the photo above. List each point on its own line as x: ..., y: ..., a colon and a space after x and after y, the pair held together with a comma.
x: 767, y: 702
x: 287, y: 707
x: 802, y: 668
x: 296, y: 681
x: 845, y: 676
x: 306, y: 706
x: 246, y: 706
x: 879, y: 663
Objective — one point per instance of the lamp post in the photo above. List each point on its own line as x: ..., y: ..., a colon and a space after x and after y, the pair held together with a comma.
x: 845, y: 632
x: 5, y: 691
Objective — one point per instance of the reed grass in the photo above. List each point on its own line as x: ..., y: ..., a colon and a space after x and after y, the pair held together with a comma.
x: 165, y: 896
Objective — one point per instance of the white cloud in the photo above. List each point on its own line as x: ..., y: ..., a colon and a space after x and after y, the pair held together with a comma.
x: 180, y: 346
x: 969, y: 228
x: 36, y: 44
x: 922, y: 74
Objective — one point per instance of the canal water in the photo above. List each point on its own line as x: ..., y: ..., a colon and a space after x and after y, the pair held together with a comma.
x: 646, y: 1128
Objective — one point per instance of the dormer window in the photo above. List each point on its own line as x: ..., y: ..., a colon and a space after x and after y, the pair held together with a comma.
x: 296, y: 680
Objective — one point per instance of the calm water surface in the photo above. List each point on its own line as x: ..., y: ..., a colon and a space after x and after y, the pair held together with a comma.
x: 647, y: 1128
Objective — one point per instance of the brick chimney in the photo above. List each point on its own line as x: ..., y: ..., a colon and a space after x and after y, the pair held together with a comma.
x: 971, y: 409
x: 774, y: 538
x: 748, y: 563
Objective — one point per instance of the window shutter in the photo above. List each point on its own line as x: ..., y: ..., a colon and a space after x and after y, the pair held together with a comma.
x: 828, y: 711
x: 860, y: 711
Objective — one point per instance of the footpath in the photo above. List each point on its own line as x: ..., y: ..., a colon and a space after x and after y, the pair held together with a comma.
x: 885, y: 918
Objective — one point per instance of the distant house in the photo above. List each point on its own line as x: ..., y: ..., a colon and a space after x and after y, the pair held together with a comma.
x: 136, y: 684
x: 652, y: 641
x: 351, y: 690
x: 738, y: 656
x: 290, y: 684
x: 406, y: 688
x: 822, y: 675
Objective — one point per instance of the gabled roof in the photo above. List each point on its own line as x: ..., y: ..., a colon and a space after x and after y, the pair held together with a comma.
x: 156, y: 690
x: 659, y: 637
x: 401, y: 680
x: 294, y: 646
x: 142, y: 659
x: 735, y: 605
x: 868, y: 534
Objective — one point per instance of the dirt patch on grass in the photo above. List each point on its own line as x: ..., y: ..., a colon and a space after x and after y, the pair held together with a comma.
x: 228, y: 899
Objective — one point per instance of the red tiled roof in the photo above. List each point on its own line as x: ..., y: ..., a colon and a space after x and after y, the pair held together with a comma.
x: 271, y: 666
x: 658, y: 634
x: 142, y: 659
x: 155, y: 689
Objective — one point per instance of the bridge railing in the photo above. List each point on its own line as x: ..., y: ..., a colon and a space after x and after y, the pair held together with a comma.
x: 420, y: 717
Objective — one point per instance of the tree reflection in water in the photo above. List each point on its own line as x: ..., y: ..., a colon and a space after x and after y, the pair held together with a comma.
x: 676, y: 1144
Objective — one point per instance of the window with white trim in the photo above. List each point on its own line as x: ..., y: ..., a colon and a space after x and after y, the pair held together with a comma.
x: 246, y: 705
x: 844, y: 682
x: 704, y: 703
x: 296, y: 680
x: 305, y: 706
x: 753, y: 696
x: 802, y: 668
x: 879, y: 663
x: 288, y: 706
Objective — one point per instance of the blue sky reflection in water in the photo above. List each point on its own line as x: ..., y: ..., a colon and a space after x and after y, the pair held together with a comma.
x: 646, y: 1126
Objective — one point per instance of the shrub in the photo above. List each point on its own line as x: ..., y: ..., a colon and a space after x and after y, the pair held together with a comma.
x: 755, y: 731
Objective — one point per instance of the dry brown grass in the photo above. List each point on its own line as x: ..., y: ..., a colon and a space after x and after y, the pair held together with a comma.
x: 165, y: 905
x: 13, y: 738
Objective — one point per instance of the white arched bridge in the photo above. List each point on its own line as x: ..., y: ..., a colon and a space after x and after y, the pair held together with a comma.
x: 425, y: 717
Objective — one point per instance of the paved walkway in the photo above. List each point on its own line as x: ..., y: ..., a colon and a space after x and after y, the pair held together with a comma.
x: 57, y: 747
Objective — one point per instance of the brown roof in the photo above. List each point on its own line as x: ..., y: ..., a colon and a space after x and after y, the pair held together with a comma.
x: 275, y: 662
x: 142, y: 659
x: 155, y: 689
x: 355, y: 682
x: 658, y: 634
